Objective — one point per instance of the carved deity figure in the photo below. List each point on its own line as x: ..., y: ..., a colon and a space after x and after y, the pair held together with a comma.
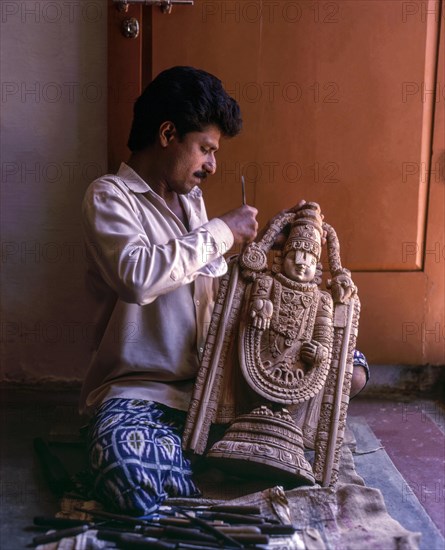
x: 278, y: 359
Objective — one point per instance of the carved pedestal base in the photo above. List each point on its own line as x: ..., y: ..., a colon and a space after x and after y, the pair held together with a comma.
x: 264, y: 444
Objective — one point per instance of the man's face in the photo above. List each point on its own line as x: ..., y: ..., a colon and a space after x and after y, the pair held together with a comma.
x: 300, y: 266
x: 191, y: 159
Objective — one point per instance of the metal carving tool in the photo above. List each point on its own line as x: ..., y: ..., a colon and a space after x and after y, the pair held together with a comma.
x: 243, y: 190
x: 228, y: 541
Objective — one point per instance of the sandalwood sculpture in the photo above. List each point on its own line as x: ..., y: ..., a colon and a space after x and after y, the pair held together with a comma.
x: 277, y: 365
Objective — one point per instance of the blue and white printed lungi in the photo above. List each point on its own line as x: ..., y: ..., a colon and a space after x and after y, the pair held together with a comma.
x: 135, y: 455
x: 360, y: 360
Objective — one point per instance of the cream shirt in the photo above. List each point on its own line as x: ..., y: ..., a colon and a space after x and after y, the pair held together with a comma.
x: 152, y: 286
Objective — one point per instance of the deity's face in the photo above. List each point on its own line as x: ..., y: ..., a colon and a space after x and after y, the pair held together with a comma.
x: 300, y: 265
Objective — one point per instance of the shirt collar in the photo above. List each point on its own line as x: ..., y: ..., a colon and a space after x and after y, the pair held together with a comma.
x: 132, y: 180
x: 136, y: 184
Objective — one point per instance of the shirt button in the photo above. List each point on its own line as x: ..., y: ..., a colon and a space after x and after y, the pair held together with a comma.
x: 197, y: 302
x: 201, y: 350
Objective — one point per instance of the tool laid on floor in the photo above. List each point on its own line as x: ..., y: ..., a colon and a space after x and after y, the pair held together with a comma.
x: 174, y: 527
x: 55, y: 536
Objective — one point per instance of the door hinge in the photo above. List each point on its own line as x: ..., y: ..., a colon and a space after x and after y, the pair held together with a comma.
x: 165, y: 5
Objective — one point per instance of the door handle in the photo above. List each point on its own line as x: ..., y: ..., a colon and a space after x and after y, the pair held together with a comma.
x: 130, y: 27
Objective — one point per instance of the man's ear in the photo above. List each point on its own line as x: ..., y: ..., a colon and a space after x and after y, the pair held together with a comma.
x: 167, y: 132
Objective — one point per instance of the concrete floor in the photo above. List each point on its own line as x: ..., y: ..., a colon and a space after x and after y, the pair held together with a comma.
x: 401, y: 451
x: 23, y: 489
x: 413, y: 435
x: 410, y: 432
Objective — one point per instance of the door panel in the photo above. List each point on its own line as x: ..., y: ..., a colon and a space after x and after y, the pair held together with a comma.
x: 337, y: 108
x: 327, y: 100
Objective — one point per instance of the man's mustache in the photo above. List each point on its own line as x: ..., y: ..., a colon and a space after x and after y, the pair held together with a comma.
x: 201, y: 175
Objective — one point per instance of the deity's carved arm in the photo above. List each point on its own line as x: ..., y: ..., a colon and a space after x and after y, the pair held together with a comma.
x: 316, y: 351
x: 253, y: 260
x: 341, y: 285
x: 261, y: 306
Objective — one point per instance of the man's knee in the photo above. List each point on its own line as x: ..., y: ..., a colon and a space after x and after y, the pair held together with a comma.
x: 360, y: 373
x: 130, y: 488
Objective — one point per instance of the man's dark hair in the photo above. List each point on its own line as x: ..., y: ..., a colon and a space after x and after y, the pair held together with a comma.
x: 190, y: 98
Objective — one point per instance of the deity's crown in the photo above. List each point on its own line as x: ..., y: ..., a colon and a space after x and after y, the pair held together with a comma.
x: 306, y: 230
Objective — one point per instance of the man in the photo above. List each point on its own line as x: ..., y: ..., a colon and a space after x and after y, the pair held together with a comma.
x: 153, y: 260
x: 154, y: 257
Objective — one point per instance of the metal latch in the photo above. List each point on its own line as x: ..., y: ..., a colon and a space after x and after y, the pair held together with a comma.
x: 165, y: 5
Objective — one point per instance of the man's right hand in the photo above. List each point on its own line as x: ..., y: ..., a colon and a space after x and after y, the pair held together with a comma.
x: 242, y: 222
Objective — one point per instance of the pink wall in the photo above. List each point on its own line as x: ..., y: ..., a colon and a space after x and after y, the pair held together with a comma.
x: 53, y: 143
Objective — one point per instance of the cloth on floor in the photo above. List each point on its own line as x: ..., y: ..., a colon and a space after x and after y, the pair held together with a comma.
x: 350, y: 516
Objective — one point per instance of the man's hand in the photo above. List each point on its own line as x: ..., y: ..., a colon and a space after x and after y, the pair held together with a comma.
x: 242, y: 223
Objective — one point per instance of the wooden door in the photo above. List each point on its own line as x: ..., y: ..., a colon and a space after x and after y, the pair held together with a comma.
x: 343, y: 104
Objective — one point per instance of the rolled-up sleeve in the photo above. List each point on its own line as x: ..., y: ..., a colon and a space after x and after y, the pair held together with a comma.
x: 139, y: 267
